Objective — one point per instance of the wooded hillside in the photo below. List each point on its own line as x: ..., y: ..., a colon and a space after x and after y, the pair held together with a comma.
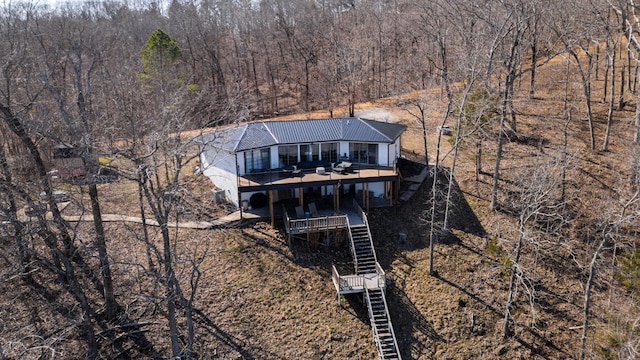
x: 523, y: 243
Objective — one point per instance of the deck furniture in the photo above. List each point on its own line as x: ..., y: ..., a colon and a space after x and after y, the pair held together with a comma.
x: 313, y: 210
x: 344, y: 167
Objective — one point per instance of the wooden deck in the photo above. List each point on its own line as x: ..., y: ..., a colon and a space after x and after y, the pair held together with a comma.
x: 275, y: 179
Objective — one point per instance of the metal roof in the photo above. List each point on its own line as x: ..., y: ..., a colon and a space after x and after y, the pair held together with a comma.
x: 262, y: 134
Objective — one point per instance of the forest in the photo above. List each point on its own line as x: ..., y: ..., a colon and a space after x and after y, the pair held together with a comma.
x: 526, y: 243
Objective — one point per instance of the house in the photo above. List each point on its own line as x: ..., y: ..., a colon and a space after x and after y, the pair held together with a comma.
x: 262, y: 162
x: 300, y: 161
x: 68, y: 162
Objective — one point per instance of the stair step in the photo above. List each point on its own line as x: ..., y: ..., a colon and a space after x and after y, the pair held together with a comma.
x: 368, y: 263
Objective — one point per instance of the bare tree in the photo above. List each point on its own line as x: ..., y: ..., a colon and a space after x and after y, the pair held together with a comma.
x: 537, y: 203
x: 419, y: 116
x: 611, y: 58
x: 78, y: 46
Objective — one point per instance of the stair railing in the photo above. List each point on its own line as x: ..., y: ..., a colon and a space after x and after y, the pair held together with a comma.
x: 373, y: 323
x: 366, y: 223
x: 353, y: 246
x: 393, y: 334
x: 382, y: 277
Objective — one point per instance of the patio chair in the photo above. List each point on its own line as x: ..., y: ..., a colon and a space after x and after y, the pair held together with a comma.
x: 313, y: 209
x: 300, y: 212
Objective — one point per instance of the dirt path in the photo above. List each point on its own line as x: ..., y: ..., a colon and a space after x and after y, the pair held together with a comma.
x: 197, y: 225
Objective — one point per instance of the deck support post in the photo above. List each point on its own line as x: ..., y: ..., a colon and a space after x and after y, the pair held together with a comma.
x: 271, y: 208
x: 300, y: 196
x: 367, y: 197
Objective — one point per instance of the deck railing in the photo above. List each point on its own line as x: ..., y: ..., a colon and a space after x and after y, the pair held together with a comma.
x: 348, y: 283
x: 272, y: 176
x: 300, y: 226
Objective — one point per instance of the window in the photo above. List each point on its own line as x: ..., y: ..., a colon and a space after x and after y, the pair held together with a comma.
x: 257, y: 160
x: 309, y: 152
x: 363, y: 153
x: 330, y: 152
x: 288, y: 155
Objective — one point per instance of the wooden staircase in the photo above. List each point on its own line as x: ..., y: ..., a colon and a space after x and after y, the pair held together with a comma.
x: 370, y: 279
x: 363, y: 253
x: 383, y: 334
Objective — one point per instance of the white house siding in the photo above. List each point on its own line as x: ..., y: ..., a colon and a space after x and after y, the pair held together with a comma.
x: 383, y: 155
x: 393, y: 152
x: 220, y: 167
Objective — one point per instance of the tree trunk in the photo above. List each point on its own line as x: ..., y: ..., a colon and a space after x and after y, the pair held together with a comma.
x: 111, y: 305
x: 455, y: 158
x: 565, y: 156
x: 622, y: 86
x: 145, y: 231
x: 587, y: 299
x: 512, y: 282
x: 496, y: 170
x: 170, y: 290
x: 423, y: 122
x: 12, y: 212
x: 636, y: 138
x: 605, y: 90
x: 534, y: 60
x: 434, y: 188
x: 605, y: 145
x: 478, y: 158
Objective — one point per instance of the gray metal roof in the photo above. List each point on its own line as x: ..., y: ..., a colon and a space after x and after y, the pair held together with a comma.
x: 267, y: 133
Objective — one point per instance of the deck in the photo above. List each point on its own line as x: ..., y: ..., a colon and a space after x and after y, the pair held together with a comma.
x: 279, y: 179
x: 353, y: 284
